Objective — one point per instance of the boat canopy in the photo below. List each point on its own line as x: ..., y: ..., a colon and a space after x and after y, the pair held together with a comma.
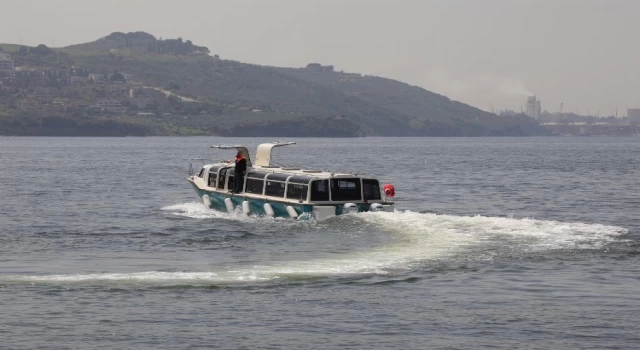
x: 242, y: 149
x: 263, y: 155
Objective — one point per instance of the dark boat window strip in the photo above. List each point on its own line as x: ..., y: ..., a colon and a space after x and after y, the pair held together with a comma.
x: 223, y: 176
x: 254, y: 186
x: 256, y: 175
x: 300, y: 179
x: 230, y: 183
x: 274, y: 188
x: 320, y: 190
x: 346, y: 189
x: 213, y: 177
x: 295, y: 191
x: 278, y: 177
x: 371, y: 189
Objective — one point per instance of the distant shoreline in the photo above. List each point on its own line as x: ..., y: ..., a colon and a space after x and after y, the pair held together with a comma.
x: 134, y: 84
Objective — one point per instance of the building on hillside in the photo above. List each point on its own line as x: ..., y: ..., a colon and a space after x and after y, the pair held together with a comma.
x: 8, y: 82
x: 118, y: 89
x: 54, y: 73
x: 55, y: 107
x: 142, y: 91
x: 533, y: 108
x: 30, y: 104
x: 81, y: 72
x: 74, y: 80
x: 110, y: 104
x: 6, y: 63
x: 96, y: 78
x: 633, y: 115
x: 144, y: 96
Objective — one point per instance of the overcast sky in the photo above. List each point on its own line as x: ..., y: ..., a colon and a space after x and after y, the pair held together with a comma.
x: 584, y: 53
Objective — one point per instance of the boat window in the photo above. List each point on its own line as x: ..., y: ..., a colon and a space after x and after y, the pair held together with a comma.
x: 295, y: 191
x: 256, y: 175
x: 223, y: 177
x: 345, y: 190
x: 201, y: 174
x: 299, y: 179
x: 231, y: 183
x: 370, y: 189
x: 278, y: 177
x: 213, y: 177
x: 274, y: 188
x: 254, y: 186
x: 320, y: 190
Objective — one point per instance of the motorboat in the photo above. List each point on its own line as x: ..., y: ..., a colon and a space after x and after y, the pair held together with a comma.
x: 281, y: 191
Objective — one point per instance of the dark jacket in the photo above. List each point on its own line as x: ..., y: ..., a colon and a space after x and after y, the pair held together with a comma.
x: 241, y: 165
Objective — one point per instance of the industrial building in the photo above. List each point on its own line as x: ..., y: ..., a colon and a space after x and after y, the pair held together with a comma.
x: 633, y: 115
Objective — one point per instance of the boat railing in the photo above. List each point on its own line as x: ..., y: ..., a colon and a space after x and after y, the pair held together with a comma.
x: 192, y: 170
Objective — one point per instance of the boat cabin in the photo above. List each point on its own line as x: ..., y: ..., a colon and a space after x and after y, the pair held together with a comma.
x: 308, y: 186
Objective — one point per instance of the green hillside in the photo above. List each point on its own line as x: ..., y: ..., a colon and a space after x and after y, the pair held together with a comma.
x: 204, y: 94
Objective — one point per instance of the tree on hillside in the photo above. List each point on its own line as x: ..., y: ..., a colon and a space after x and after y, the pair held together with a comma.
x: 117, y: 76
x: 173, y: 86
x: 41, y: 50
x: 174, y: 101
x: 178, y: 47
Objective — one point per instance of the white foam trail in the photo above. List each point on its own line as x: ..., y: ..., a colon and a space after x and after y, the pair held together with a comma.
x: 529, y: 234
x: 193, y: 210
x: 419, y: 238
x: 149, y: 277
x: 196, y: 210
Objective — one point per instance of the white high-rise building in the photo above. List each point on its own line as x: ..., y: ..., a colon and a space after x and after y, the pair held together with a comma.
x: 533, y: 108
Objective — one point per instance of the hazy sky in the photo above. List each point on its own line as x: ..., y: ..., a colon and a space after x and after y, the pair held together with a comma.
x: 584, y: 53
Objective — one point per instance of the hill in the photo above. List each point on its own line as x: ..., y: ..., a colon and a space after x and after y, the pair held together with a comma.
x: 152, y: 86
x: 430, y: 113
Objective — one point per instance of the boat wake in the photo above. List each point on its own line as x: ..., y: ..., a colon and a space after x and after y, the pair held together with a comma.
x: 195, y: 211
x: 418, y: 239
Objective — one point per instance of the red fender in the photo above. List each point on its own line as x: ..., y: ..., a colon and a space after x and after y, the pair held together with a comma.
x: 389, y: 190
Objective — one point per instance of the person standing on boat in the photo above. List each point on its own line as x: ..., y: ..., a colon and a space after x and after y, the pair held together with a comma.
x: 241, y: 167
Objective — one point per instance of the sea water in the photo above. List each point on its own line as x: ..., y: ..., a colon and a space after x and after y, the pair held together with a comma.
x: 496, y: 242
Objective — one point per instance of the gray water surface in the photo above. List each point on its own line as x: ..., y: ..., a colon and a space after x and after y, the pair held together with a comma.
x: 497, y: 243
